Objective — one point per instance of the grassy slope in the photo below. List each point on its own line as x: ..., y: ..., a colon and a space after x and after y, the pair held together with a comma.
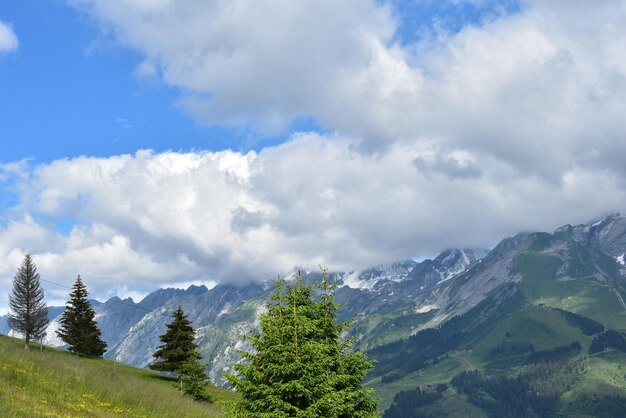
x: 440, y: 373
x: 543, y: 327
x: 580, y: 294
x: 55, y: 383
x: 376, y: 329
x: 586, y: 285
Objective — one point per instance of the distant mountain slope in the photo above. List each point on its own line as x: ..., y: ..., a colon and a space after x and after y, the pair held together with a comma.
x: 524, y: 279
x: 541, y: 354
x: 4, y: 325
x: 544, y: 277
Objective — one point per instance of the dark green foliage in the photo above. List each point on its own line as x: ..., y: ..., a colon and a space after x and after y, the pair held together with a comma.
x: 586, y: 325
x: 78, y: 326
x: 178, y: 344
x: 608, y: 339
x: 555, y: 354
x: 533, y: 392
x: 180, y: 355
x: 414, y: 353
x: 194, y: 379
x: 29, y: 314
x: 441, y: 387
x: 406, y: 404
x: 601, y: 406
x: 504, y: 397
x: 299, y: 367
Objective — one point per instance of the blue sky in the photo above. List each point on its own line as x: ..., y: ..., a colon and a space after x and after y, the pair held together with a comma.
x: 70, y: 90
x: 289, y: 134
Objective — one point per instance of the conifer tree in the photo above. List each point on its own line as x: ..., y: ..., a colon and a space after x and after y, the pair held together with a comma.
x: 178, y: 344
x: 193, y: 380
x: 299, y: 367
x: 180, y: 355
x: 29, y: 313
x: 78, y: 326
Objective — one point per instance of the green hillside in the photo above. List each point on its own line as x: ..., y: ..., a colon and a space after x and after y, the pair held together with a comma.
x: 55, y: 383
x: 574, y: 282
x: 524, y: 354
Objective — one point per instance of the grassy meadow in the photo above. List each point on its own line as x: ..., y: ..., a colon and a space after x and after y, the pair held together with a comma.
x: 55, y: 383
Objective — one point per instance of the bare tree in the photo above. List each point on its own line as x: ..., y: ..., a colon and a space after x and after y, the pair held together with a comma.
x: 29, y: 313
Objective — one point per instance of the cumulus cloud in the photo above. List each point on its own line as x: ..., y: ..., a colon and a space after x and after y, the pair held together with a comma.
x: 533, y: 88
x: 149, y: 220
x: 457, y: 138
x: 8, y: 39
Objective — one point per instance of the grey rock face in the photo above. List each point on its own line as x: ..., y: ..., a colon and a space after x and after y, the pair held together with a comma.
x: 205, y: 308
x: 159, y: 298
x: 115, y: 318
x: 472, y: 287
x: 607, y: 234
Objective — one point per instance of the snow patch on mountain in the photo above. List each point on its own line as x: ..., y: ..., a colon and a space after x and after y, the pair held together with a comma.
x: 291, y: 277
x: 620, y: 260
x: 426, y: 308
x: 454, y: 262
x: 226, y: 309
x: 353, y: 281
x: 368, y: 279
x: 51, y: 337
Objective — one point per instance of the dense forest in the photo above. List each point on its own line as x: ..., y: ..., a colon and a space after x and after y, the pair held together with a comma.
x: 608, y: 339
x: 407, y: 404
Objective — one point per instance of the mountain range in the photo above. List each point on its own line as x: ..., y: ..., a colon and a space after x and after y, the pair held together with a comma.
x: 423, y: 322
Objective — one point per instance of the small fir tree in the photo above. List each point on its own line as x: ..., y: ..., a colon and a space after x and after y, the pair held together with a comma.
x: 178, y: 344
x: 299, y: 367
x: 78, y: 326
x: 29, y: 313
x: 193, y: 380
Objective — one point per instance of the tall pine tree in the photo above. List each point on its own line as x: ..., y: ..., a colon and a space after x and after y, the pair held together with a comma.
x: 299, y: 367
x: 29, y: 313
x: 78, y: 326
x: 178, y: 344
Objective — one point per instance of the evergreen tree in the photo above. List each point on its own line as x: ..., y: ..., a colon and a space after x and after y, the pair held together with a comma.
x: 299, y: 367
x: 29, y: 314
x: 193, y: 380
x: 78, y: 326
x: 178, y: 344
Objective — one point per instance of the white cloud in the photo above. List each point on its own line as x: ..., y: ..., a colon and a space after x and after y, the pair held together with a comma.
x: 8, y: 39
x: 541, y: 89
x: 456, y: 140
x: 150, y: 220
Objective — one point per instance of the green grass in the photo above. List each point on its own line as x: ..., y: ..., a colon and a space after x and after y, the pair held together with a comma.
x: 454, y: 405
x: 603, y: 375
x: 55, y: 383
x: 441, y: 372
x: 542, y: 327
x: 581, y: 293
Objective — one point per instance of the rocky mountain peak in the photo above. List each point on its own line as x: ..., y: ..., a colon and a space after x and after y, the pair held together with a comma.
x: 607, y: 234
x: 196, y: 290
